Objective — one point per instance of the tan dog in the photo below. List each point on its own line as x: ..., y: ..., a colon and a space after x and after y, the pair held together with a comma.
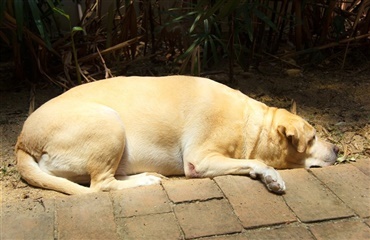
x: 102, y: 132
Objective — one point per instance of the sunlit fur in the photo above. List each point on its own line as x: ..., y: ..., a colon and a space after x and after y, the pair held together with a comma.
x: 101, y: 132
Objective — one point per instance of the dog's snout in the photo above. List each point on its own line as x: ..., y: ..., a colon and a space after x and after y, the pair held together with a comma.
x: 336, y: 149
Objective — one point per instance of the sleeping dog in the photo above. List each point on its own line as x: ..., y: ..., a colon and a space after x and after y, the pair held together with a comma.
x: 131, y: 131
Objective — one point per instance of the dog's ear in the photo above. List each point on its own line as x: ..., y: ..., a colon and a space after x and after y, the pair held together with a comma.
x: 293, y: 107
x: 295, y: 137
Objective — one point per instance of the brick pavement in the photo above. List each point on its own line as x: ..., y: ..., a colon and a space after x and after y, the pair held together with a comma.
x: 322, y: 203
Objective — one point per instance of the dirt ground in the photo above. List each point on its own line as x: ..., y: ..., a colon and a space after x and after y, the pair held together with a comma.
x: 337, y: 103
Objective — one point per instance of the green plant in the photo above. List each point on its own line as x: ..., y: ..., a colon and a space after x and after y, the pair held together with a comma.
x: 198, y: 35
x: 26, y: 27
x: 206, y: 19
x: 73, y: 31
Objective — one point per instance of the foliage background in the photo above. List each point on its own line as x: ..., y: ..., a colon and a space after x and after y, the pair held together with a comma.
x: 198, y: 37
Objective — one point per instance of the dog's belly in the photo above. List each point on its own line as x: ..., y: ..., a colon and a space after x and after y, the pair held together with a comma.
x: 151, y: 158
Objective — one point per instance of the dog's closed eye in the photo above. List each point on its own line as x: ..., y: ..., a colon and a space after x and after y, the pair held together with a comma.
x: 312, y: 140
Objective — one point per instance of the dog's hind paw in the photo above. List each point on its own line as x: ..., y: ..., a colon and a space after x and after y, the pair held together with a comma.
x: 148, y: 180
x: 273, y: 181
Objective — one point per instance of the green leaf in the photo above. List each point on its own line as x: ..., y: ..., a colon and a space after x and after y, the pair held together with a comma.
x: 229, y: 7
x: 2, y: 10
x: 247, y: 26
x: 341, y: 159
x: 206, y: 26
x: 190, y: 49
x: 193, y: 26
x: 205, y: 51
x: 216, y: 6
x: 249, y: 29
x: 18, y: 8
x: 127, y: 3
x: 180, y: 18
x: 214, y: 50
x: 37, y: 19
x: 346, y: 159
x: 57, y: 10
x: 264, y: 18
x: 77, y: 29
x: 61, y: 12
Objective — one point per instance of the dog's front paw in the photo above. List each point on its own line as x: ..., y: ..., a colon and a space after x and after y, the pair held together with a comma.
x: 273, y: 180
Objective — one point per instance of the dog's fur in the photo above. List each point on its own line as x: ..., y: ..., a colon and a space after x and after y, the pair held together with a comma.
x: 105, y: 131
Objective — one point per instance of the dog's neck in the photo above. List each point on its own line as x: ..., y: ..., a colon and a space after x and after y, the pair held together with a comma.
x: 256, y: 131
x: 253, y: 130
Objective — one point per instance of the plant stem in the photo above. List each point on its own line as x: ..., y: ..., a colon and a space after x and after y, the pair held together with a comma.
x: 74, y: 52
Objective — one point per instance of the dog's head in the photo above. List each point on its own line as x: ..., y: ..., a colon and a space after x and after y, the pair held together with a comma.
x: 301, y: 147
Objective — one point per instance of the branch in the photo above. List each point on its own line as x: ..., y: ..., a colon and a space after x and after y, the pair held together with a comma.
x: 329, y: 45
x: 111, y: 49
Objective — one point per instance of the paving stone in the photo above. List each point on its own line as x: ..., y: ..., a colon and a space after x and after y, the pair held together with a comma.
x: 213, y: 217
x: 367, y: 222
x: 286, y: 232
x: 156, y: 226
x: 289, y: 232
x: 310, y: 199
x: 236, y: 236
x: 140, y: 201
x: 253, y: 203
x: 88, y: 216
x: 341, y: 230
x: 349, y: 184
x: 28, y: 219
x: 363, y: 165
x: 191, y: 190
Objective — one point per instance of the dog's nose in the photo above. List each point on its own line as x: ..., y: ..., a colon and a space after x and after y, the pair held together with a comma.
x: 336, y: 149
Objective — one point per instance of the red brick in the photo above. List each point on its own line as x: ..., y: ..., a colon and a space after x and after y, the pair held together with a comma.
x: 155, y: 226
x: 213, y: 217
x: 28, y: 219
x: 289, y: 232
x: 341, y: 230
x: 367, y: 222
x: 88, y: 216
x: 191, y: 190
x: 286, y: 232
x: 253, y: 203
x: 363, y: 165
x: 349, y: 184
x: 310, y: 199
x: 140, y: 201
x: 237, y: 236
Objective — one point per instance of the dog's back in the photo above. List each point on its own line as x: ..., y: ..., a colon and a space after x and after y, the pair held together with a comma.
x: 160, y: 116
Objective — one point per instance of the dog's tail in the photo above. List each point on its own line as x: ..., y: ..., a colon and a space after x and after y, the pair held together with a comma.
x: 31, y: 172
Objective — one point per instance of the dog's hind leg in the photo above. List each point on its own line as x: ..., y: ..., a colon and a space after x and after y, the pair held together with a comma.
x: 90, y: 149
x: 105, y: 157
x: 143, y: 179
x: 140, y: 175
x: 31, y: 172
